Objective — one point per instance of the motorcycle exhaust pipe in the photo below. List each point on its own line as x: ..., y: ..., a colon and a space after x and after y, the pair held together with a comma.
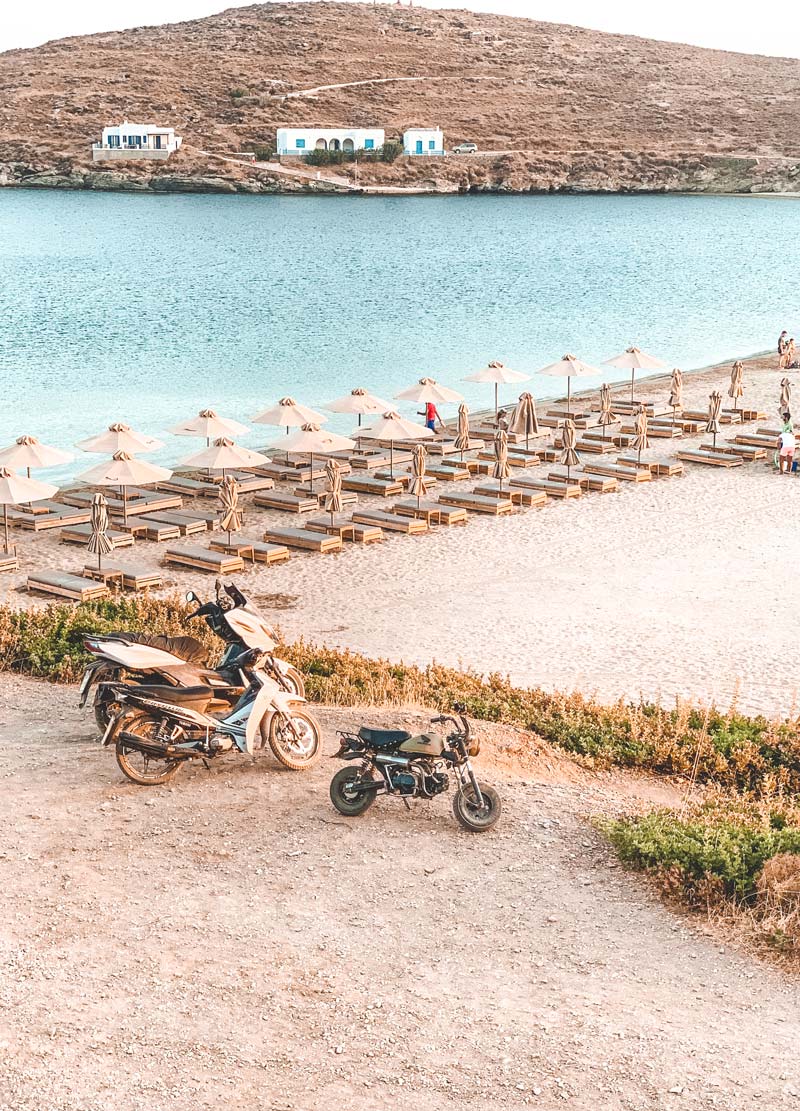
x: 394, y: 761
x: 151, y: 749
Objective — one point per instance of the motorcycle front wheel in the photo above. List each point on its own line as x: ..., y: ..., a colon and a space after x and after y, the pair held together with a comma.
x: 475, y: 818
x: 295, y: 740
x: 296, y: 681
x: 345, y: 799
x: 139, y: 767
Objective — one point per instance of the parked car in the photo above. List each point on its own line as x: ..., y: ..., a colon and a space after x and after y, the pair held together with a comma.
x: 465, y: 148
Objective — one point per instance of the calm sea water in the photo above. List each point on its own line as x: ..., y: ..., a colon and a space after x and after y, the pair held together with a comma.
x: 147, y: 309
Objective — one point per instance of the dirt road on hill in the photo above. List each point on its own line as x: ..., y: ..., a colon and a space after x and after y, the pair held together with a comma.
x: 231, y: 942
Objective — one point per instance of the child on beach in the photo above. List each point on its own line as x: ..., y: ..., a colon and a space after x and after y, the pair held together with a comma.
x: 787, y: 443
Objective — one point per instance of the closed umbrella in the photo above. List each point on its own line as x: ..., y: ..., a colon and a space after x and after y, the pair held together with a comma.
x: 633, y: 359
x: 499, y: 375
x: 224, y: 455
x: 122, y: 470
x: 462, y: 441
x: 120, y: 437
x: 393, y: 427
x: 312, y: 440
x: 99, y: 540
x: 501, y: 470
x: 208, y: 426
x: 333, y: 491
x: 17, y: 490
x: 428, y: 389
x: 736, y: 388
x: 640, y: 440
x: 676, y: 393
x: 569, y: 367
x: 786, y: 395
x: 714, y: 410
x: 231, y: 516
x: 419, y: 483
x: 569, y: 456
x: 606, y: 412
x: 30, y: 453
x: 524, y: 421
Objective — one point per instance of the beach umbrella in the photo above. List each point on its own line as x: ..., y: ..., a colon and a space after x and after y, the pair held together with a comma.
x: 714, y: 410
x: 99, y: 540
x: 231, y: 516
x: 393, y: 427
x: 569, y: 456
x: 312, y: 440
x: 524, y: 420
x: 786, y: 395
x: 18, y: 490
x: 333, y: 491
x: 499, y: 375
x: 462, y: 441
x: 223, y: 455
x: 501, y: 469
x: 736, y: 388
x: 358, y: 403
x: 640, y: 440
x: 607, y: 416
x: 569, y: 367
x: 676, y: 393
x: 289, y: 413
x: 419, y: 483
x: 122, y: 470
x: 120, y: 437
x: 633, y: 359
x: 30, y: 453
x: 208, y: 426
x: 428, y: 389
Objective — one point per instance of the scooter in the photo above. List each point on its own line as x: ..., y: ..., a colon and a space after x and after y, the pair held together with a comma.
x: 135, y: 658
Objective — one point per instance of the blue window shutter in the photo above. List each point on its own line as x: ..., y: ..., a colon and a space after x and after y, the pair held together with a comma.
x: 300, y: 144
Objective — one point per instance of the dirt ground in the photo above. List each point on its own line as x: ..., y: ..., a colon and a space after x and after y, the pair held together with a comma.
x: 230, y: 941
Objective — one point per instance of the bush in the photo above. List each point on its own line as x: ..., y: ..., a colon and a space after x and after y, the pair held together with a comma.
x: 387, y: 153
x: 263, y: 151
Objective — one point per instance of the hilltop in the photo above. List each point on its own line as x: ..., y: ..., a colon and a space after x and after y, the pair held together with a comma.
x: 559, y: 107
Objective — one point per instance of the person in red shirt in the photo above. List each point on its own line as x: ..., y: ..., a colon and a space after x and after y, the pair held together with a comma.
x: 431, y: 415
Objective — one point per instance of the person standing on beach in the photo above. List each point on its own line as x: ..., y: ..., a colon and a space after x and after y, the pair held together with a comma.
x: 431, y: 415
x: 782, y: 341
x: 787, y: 443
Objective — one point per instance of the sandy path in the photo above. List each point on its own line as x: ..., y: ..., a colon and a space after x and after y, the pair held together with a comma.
x: 232, y: 942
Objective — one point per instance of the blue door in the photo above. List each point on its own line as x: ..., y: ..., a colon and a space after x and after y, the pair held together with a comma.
x: 419, y: 146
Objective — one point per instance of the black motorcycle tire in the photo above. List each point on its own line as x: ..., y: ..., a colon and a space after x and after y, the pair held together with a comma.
x: 285, y: 751
x: 345, y: 801
x: 140, y: 723
x: 469, y: 815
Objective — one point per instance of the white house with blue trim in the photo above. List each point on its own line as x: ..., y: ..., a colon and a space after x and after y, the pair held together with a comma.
x: 423, y: 140
x: 135, y: 140
x: 299, y: 141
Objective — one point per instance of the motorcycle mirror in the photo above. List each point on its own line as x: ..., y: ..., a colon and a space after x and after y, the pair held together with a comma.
x: 191, y: 596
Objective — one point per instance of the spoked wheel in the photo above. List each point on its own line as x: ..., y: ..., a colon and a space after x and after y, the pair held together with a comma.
x: 473, y: 816
x: 138, y: 766
x: 345, y: 797
x: 295, y: 740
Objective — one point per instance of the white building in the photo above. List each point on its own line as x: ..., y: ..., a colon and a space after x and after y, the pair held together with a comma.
x: 135, y: 140
x: 302, y: 140
x: 423, y: 140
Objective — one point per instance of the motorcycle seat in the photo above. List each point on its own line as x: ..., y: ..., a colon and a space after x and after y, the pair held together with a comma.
x: 383, y: 738
x: 195, y: 698
x: 188, y: 649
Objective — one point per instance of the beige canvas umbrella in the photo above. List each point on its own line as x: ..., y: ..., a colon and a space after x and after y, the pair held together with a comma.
x: 606, y: 416
x: 524, y: 421
x: 640, y: 440
x: 633, y: 359
x: 289, y: 413
x: 462, y: 440
x: 500, y: 469
x: 569, y: 456
x: 428, y: 389
x: 714, y: 410
x: 312, y: 440
x: 358, y: 403
x: 99, y: 540
x: 569, y: 367
x: 333, y: 490
x: 208, y: 426
x: 499, y: 375
x: 419, y: 483
x: 120, y: 437
x: 15, y: 489
x: 736, y: 388
x: 122, y: 470
x: 231, y: 514
x: 393, y: 427
x: 676, y: 393
x: 786, y: 395
x: 224, y: 455
x: 30, y: 453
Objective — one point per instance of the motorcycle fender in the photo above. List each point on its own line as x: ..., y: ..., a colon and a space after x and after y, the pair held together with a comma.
x: 285, y: 702
x: 92, y: 674
x: 265, y: 701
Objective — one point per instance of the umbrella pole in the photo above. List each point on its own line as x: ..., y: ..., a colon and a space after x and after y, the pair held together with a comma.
x: 5, y: 525
x: 569, y: 395
x: 124, y: 508
x: 496, y: 410
x: 391, y: 459
x: 633, y: 372
x: 311, y: 472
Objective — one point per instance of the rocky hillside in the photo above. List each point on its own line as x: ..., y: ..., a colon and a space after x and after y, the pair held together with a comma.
x: 559, y: 107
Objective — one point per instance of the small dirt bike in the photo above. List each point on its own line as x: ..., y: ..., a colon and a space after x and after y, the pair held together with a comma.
x: 394, y: 762
x: 160, y: 728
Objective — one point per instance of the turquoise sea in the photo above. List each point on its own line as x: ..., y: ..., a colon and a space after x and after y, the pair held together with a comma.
x: 146, y: 309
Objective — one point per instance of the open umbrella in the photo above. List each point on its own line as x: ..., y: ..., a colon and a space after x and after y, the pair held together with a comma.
x: 358, y: 403
x: 607, y: 416
x: 231, y: 515
x: 524, y: 420
x: 428, y: 389
x: 419, y: 484
x: 393, y: 427
x: 786, y: 395
x: 333, y: 491
x: 501, y: 469
x: 17, y: 490
x: 569, y: 456
x: 30, y: 453
x: 462, y: 441
x: 714, y: 410
x: 498, y: 374
x: 208, y: 425
x: 120, y: 437
x: 312, y: 440
x: 223, y: 455
x: 289, y: 413
x: 569, y: 367
x: 99, y: 540
x: 676, y: 393
x: 633, y: 359
x: 640, y: 440
x: 123, y: 470
x: 736, y: 388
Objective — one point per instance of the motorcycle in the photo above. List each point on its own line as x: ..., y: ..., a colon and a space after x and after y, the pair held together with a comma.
x: 136, y: 658
x: 395, y: 762
x: 160, y: 728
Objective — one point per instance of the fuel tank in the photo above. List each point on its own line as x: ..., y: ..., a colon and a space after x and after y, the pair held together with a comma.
x: 426, y: 744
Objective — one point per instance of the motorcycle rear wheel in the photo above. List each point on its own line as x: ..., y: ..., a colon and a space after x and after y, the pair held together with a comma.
x: 475, y: 818
x: 298, y: 750
x: 348, y: 802
x: 147, y: 771
x: 104, y: 710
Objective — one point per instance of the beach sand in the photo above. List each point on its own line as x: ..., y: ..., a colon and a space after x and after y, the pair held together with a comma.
x: 681, y: 587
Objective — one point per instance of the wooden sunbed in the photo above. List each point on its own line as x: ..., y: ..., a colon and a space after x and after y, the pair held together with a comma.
x: 470, y: 465
x: 710, y: 458
x: 392, y: 522
x: 41, y: 522
x: 269, y: 553
x: 209, y: 518
x: 79, y: 534
x: 658, y: 468
x: 749, y: 454
x: 656, y: 430
x: 253, y: 483
x: 549, y: 487
x: 616, y: 470
x: 757, y: 439
x: 63, y: 585
x: 595, y: 483
x: 347, y: 529
x: 371, y: 461
x: 445, y: 473
x: 592, y: 445
x: 347, y: 496
x: 531, y: 499
x: 287, y: 503
x: 487, y: 433
x: 725, y: 417
x: 367, y: 484
x: 431, y: 512
x: 189, y: 487
x: 255, y: 550
x: 186, y: 526
x: 203, y: 559
x: 477, y: 503
x: 304, y: 538
x: 158, y: 531
x: 136, y: 578
x: 9, y: 561
x: 514, y: 460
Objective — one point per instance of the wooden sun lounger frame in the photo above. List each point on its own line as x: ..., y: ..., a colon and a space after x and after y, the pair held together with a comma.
x: 203, y: 559
x: 76, y: 588
x: 306, y: 539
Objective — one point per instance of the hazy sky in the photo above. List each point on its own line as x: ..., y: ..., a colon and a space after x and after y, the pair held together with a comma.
x: 768, y: 27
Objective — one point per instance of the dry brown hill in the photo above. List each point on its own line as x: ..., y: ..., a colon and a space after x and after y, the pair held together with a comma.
x: 570, y: 100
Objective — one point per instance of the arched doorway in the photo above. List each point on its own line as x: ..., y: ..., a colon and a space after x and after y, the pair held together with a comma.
x: 334, y: 145
x: 321, y: 144
x: 348, y: 146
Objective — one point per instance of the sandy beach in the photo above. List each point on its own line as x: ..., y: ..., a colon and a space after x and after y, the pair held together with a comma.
x: 681, y: 587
